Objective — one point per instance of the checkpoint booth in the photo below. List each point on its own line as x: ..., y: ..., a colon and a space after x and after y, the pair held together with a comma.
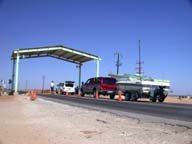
x: 58, y: 52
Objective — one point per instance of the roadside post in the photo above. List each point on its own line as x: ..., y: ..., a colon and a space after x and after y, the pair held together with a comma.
x: 67, y: 93
x: 79, y: 93
x: 119, y: 96
x: 33, y: 95
x: 97, y: 94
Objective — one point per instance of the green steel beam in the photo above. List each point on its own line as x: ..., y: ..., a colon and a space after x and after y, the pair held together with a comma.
x: 23, y: 51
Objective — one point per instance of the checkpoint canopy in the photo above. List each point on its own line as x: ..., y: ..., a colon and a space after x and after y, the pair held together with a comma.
x: 58, y: 52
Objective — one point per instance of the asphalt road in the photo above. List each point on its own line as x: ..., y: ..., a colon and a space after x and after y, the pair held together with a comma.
x: 165, y: 110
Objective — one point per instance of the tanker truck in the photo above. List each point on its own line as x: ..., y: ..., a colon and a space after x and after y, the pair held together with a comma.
x: 140, y: 86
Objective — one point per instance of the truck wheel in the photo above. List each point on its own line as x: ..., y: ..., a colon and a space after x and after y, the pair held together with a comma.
x: 56, y: 91
x: 161, y: 100
x: 153, y: 99
x: 82, y: 93
x: 112, y: 96
x: 161, y: 97
x: 127, y: 96
x: 134, y: 96
x: 94, y: 93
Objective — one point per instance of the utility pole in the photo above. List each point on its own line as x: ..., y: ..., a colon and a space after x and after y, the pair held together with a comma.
x: 26, y: 84
x: 118, y: 63
x: 139, y: 62
x: 139, y: 57
x: 43, y: 78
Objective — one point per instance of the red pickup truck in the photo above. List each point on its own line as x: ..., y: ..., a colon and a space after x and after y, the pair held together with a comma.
x: 104, y: 85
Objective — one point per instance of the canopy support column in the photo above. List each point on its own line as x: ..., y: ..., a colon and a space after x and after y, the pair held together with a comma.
x: 13, y: 77
x: 16, y: 75
x: 79, y: 86
x: 97, y: 68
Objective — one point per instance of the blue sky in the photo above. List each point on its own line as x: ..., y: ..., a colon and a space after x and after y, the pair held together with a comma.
x: 100, y: 27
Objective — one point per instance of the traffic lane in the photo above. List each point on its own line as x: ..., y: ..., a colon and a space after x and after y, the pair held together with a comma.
x: 173, y: 105
x: 171, y: 111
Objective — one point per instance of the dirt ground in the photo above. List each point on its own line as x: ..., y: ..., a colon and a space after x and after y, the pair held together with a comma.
x: 24, y: 121
x: 175, y: 99
x: 169, y: 99
x: 185, y: 100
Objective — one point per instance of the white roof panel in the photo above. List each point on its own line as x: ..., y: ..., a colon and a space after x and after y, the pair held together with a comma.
x: 59, y: 52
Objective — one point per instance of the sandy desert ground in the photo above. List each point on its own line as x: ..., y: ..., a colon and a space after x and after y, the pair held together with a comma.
x: 169, y: 99
x: 175, y: 99
x: 24, y: 121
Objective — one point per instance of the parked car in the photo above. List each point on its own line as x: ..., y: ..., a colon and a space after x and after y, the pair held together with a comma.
x: 67, y: 86
x: 104, y: 85
x: 59, y: 88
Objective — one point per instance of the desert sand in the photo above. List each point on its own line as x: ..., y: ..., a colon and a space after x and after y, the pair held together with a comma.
x: 44, y: 122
